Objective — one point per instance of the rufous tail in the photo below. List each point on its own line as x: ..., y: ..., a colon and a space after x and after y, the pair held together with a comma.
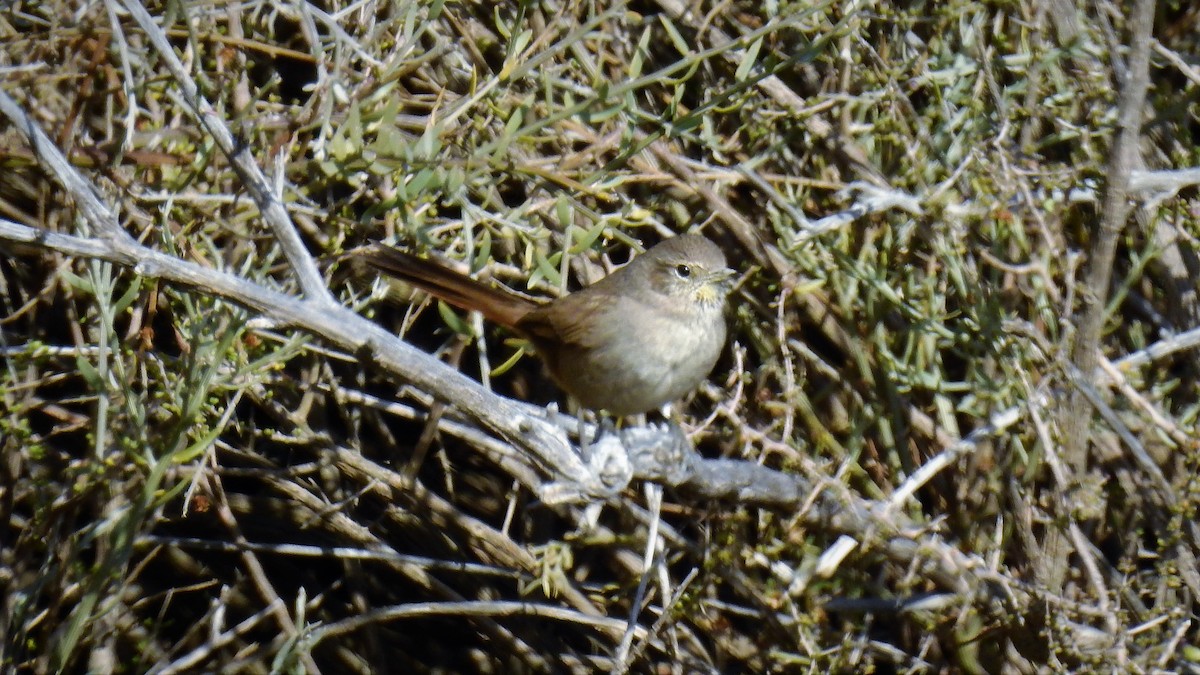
x: 447, y: 284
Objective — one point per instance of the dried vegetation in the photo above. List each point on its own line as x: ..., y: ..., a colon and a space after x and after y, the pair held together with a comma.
x: 916, y: 193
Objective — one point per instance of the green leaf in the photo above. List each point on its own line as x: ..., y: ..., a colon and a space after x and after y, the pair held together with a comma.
x: 510, y: 132
x: 564, y: 210
x: 131, y: 294
x: 677, y: 40
x: 198, y: 448
x: 509, y: 363
x: 584, y: 239
x: 453, y: 320
x: 424, y: 178
x: 77, y: 282
x: 347, y: 141
x: 483, y: 251
x: 429, y: 146
x: 455, y: 179
x: 639, y: 55
x: 515, y: 49
x: 90, y: 374
x: 546, y: 269
x: 748, y: 60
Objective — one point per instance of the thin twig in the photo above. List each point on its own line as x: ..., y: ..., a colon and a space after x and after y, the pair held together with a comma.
x: 268, y: 198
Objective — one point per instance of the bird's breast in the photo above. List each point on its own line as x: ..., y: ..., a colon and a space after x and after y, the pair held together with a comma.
x: 641, y: 356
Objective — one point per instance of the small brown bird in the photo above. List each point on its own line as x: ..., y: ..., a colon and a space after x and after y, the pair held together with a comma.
x: 642, y: 337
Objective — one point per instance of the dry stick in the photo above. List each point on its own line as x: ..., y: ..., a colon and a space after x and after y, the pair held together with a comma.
x: 95, y: 210
x: 1159, y: 487
x: 998, y: 423
x: 1189, y: 339
x: 418, y: 576
x: 490, y: 544
x: 654, y: 496
x: 467, y: 608
x: 269, y: 202
x: 257, y: 573
x: 98, y: 215
x: 356, y: 553
x: 1157, y: 417
x: 191, y: 660
x: 1115, y: 210
x: 502, y: 455
x: 1090, y: 566
x: 663, y: 616
x: 337, y: 325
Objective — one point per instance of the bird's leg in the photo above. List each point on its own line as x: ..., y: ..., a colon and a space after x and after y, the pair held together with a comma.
x: 673, y: 417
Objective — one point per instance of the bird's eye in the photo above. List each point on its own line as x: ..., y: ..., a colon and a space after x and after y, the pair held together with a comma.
x: 683, y: 271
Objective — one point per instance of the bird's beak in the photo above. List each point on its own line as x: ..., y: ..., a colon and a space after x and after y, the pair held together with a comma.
x: 717, y: 285
x: 722, y: 279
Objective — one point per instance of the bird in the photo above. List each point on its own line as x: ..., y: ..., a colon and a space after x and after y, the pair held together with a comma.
x: 640, y: 338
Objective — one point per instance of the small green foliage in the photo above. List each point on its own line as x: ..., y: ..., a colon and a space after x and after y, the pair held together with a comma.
x: 554, y: 561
